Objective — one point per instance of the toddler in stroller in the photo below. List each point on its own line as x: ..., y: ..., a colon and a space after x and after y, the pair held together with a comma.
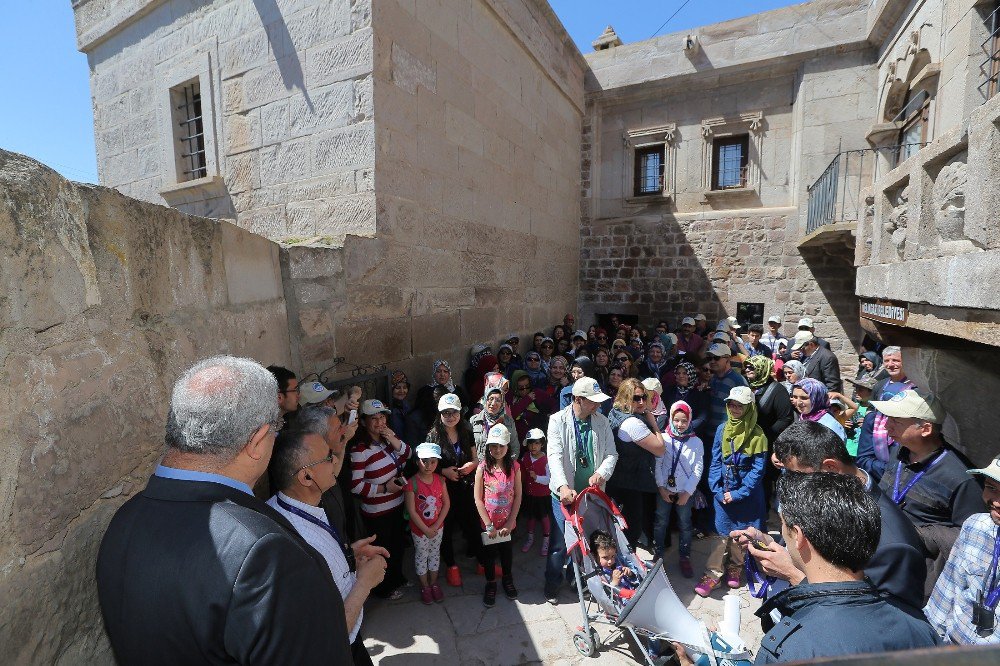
x: 639, y: 601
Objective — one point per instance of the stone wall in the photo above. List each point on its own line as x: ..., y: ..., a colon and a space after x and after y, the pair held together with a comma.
x: 104, y: 302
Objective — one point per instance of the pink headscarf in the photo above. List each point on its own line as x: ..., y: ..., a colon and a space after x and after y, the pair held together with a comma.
x: 686, y: 408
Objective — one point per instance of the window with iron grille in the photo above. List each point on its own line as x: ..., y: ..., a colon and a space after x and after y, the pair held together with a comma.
x: 730, y: 159
x: 991, y: 45
x: 914, y: 116
x: 189, y: 132
x: 649, y: 170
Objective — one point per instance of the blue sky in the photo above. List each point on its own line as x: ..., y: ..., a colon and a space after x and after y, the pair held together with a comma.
x: 47, y: 113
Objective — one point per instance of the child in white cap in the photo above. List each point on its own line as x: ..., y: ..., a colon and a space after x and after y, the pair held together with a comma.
x: 537, y: 500
x: 498, y: 499
x: 427, y: 503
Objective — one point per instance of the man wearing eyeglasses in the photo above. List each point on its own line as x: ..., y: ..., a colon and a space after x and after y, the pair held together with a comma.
x: 305, y: 466
x: 194, y: 568
x: 288, y: 389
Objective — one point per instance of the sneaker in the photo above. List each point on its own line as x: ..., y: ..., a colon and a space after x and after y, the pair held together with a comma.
x: 686, y: 570
x: 426, y: 596
x: 437, y: 593
x: 733, y: 577
x: 552, y: 596
x: 508, y: 587
x: 707, y: 584
x: 396, y: 595
x: 529, y: 542
x: 544, y: 552
x: 490, y: 595
x: 454, y: 576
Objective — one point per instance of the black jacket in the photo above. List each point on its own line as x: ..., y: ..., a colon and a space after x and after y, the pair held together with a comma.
x: 824, y: 366
x: 834, y: 619
x: 200, y: 573
x: 774, y: 410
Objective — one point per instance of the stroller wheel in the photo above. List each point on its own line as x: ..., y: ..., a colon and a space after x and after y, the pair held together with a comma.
x: 585, y: 643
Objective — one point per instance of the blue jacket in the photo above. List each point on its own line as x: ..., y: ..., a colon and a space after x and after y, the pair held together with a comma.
x: 745, y: 484
x: 835, y: 619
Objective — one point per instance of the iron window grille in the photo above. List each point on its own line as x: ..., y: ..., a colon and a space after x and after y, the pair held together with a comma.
x: 991, y: 47
x: 730, y: 162
x: 649, y: 170
x: 191, y: 135
x: 915, y: 117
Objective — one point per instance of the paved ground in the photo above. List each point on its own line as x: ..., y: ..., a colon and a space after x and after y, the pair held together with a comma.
x: 528, y: 630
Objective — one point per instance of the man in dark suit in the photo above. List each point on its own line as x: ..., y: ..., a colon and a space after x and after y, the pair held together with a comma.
x: 898, y: 568
x: 195, y: 569
x: 820, y: 363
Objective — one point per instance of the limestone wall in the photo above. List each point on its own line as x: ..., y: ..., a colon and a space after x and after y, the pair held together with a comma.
x: 104, y: 301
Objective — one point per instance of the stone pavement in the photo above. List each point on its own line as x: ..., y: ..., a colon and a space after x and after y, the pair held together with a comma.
x: 525, y: 631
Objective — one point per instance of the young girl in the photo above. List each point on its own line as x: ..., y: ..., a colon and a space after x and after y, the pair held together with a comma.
x: 677, y: 475
x: 427, y: 503
x: 498, y: 499
x: 535, y: 473
x: 736, y: 480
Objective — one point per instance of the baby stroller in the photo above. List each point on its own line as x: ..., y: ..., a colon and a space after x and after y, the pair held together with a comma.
x: 653, y: 616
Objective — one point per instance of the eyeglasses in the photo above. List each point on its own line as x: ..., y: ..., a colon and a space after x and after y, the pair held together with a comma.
x: 297, y: 389
x: 505, y: 353
x: 548, y: 344
x: 534, y: 360
x: 622, y: 359
x: 638, y: 398
x: 329, y: 458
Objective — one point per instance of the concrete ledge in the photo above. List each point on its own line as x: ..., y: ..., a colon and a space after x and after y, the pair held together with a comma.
x: 836, y: 233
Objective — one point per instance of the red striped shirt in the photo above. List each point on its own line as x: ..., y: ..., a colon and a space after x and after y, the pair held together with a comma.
x: 371, y: 466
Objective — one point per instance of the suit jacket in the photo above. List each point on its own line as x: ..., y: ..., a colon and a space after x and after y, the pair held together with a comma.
x: 824, y: 366
x: 192, y: 572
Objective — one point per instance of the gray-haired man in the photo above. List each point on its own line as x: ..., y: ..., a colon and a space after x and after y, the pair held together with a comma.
x: 189, y: 569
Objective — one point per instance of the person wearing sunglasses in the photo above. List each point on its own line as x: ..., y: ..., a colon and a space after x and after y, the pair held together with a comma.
x: 639, y: 442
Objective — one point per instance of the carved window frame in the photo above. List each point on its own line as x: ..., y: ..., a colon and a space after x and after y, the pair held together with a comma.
x: 750, y: 124
x: 650, y: 137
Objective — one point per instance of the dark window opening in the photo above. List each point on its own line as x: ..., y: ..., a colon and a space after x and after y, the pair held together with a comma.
x: 749, y: 313
x: 649, y: 171
x: 730, y: 160
x: 191, y: 134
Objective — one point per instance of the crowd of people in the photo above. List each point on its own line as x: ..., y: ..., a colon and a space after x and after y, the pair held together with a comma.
x: 711, y: 427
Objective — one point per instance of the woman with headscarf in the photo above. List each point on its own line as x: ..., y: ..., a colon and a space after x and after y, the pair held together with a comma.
x: 736, y: 480
x: 639, y: 444
x: 494, y: 411
x: 655, y: 363
x: 399, y: 385
x: 602, y: 365
x: 869, y: 364
x: 811, y: 400
x: 505, y: 360
x: 686, y: 388
x: 486, y: 365
x: 441, y: 377
x: 774, y: 408
x: 533, y: 366
x: 616, y: 375
x: 556, y: 378
x: 794, y: 371
x: 548, y: 350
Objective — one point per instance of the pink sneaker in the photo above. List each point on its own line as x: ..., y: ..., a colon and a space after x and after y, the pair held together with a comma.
x: 426, y: 595
x: 437, y: 593
x: 544, y: 552
x: 686, y: 570
x: 733, y: 578
x: 707, y: 584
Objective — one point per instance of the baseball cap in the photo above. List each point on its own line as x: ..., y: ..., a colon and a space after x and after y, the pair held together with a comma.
x: 449, y: 401
x: 992, y: 470
x: 687, y: 321
x: 805, y: 322
x: 498, y: 435
x: 911, y: 405
x: 372, y: 407
x: 774, y: 318
x: 513, y: 336
x: 580, y: 334
x: 312, y: 393
x: 801, y: 338
x: 700, y: 317
x: 653, y: 384
x: 733, y: 322
x: 588, y: 388
x: 533, y: 434
x: 864, y: 382
x: 478, y: 348
x: 428, y: 450
x: 719, y: 349
x: 741, y: 394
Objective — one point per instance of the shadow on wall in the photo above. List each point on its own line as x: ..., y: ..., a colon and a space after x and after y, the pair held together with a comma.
x: 833, y: 271
x: 280, y: 40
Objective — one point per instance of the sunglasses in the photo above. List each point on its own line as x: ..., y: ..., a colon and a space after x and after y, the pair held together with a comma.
x: 449, y: 413
x: 638, y: 398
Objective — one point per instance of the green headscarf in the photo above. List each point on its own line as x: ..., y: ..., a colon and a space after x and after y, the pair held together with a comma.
x: 763, y: 367
x: 745, y: 435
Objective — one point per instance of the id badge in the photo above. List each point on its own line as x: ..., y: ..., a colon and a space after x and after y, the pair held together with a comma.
x: 984, y: 618
x: 584, y: 463
x: 671, y: 481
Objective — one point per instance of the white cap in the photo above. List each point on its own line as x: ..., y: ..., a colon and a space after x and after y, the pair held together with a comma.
x: 428, y: 450
x: 741, y: 394
x: 801, y: 338
x: 774, y: 318
x: 580, y: 334
x: 805, y: 322
x: 533, y: 434
x: 719, y: 349
x: 992, y: 470
x: 372, y: 407
x: 449, y: 401
x: 734, y: 322
x: 311, y: 393
x: 586, y: 387
x: 653, y: 384
x: 498, y: 435
x: 687, y: 321
x: 700, y: 317
x: 911, y: 405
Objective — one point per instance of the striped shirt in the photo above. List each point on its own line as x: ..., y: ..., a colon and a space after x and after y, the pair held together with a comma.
x: 325, y: 544
x: 949, y: 609
x: 372, y: 464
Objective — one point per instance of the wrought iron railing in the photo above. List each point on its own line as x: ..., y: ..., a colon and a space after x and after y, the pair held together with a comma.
x: 838, y: 195
x: 373, y: 379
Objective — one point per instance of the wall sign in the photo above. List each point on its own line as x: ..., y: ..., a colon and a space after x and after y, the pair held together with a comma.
x: 887, y: 312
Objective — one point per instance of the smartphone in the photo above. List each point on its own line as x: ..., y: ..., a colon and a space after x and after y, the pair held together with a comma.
x: 353, y: 417
x: 759, y: 545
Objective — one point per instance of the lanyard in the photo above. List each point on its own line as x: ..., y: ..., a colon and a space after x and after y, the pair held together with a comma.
x: 677, y: 458
x: 392, y: 454
x: 581, y: 453
x: 991, y: 593
x: 897, y: 496
x: 330, y: 529
x: 757, y: 583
